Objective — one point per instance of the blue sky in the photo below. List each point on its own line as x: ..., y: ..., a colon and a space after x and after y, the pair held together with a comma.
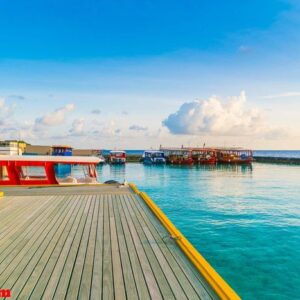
x: 137, y: 75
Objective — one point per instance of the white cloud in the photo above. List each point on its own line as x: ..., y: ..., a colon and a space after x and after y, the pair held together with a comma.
x: 55, y: 118
x: 215, y: 117
x: 283, y: 95
x: 138, y: 128
x: 109, y: 129
x: 77, y: 127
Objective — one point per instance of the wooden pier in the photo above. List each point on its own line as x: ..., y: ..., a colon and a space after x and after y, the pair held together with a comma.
x: 95, y: 242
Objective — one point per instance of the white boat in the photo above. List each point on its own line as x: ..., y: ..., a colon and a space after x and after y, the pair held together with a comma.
x: 45, y: 170
x: 151, y: 157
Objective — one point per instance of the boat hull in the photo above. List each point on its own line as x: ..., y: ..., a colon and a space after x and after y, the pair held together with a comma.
x: 235, y: 161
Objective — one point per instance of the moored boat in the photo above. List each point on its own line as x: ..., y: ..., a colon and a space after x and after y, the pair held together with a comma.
x: 60, y: 150
x: 234, y: 156
x: 99, y: 154
x: 62, y: 170
x: 153, y: 157
x: 43, y: 170
x: 204, y: 156
x: 117, y: 157
x: 178, y: 156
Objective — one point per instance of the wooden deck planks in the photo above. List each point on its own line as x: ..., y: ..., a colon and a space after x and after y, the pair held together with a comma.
x: 151, y: 257
x: 96, y: 288
x: 128, y: 274
x: 86, y: 277
x: 149, y: 276
x: 79, y: 264
x: 38, y: 280
x: 94, y: 245
x: 48, y: 283
x: 183, y: 272
x: 107, y: 269
x: 40, y: 258
x: 22, y: 214
x: 27, y: 240
x: 177, y: 279
x: 119, y: 286
x: 64, y: 277
x: 194, y: 277
x: 137, y: 268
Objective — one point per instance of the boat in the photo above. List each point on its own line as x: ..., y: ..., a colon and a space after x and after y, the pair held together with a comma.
x: 117, y: 157
x: 153, y: 157
x: 178, y: 156
x: 101, y: 159
x: 59, y: 150
x: 204, y: 156
x: 234, y: 156
x: 62, y: 170
x: 43, y: 170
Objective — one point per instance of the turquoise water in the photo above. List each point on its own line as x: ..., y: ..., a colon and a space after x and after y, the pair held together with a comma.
x: 245, y: 221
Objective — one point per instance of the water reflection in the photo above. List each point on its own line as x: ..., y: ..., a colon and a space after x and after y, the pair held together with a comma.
x: 246, y: 168
x: 112, y: 172
x: 136, y: 171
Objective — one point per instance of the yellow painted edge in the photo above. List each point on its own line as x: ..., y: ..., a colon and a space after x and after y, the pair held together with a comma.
x: 1, y: 194
x: 222, y: 289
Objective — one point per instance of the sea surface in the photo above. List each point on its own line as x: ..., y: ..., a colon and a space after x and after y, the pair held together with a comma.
x: 244, y: 220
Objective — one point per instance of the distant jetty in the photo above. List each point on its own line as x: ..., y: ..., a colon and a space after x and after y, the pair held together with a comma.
x: 277, y: 160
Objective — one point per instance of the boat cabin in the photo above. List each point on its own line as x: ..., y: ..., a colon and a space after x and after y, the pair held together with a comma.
x: 117, y: 157
x: 180, y: 156
x: 235, y: 156
x: 62, y: 150
x: 153, y: 157
x: 204, y: 156
x: 42, y: 170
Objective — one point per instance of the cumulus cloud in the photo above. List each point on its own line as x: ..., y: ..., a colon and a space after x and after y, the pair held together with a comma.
x: 109, y: 129
x: 77, y: 127
x: 138, y: 128
x: 215, y: 117
x: 55, y: 118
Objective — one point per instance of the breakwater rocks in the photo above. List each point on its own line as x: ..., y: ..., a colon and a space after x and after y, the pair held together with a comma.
x: 277, y: 160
